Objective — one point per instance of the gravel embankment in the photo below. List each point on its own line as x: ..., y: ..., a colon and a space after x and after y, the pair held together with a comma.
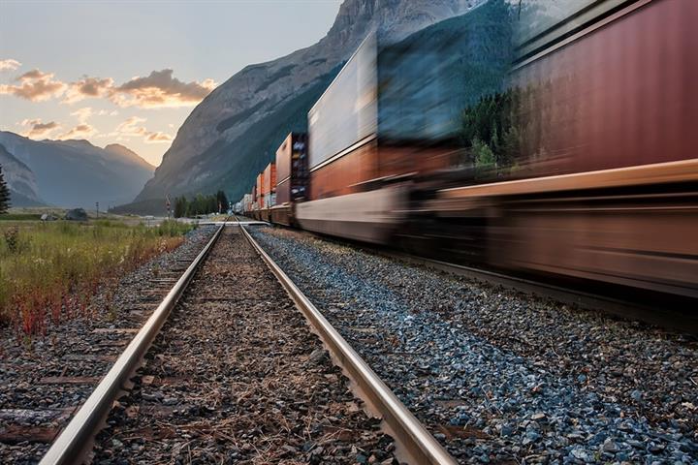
x: 43, y: 383
x: 501, y: 377
x: 236, y: 376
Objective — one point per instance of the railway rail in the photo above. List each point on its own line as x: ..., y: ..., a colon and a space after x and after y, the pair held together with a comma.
x: 44, y: 380
x: 676, y: 315
x: 70, y: 446
x: 419, y: 446
x: 223, y: 368
x: 498, y: 375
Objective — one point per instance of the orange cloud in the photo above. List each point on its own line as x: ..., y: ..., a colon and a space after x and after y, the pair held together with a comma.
x: 9, y: 64
x: 35, y: 86
x: 81, y: 131
x: 88, y: 87
x: 161, y: 89
x: 83, y: 114
x: 157, y: 138
x: 38, y: 129
x: 132, y: 128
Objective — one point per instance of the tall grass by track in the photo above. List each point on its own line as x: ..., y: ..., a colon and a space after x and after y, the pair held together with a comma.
x: 51, y: 271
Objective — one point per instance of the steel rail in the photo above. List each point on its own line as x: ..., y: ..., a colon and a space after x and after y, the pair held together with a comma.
x: 71, y: 445
x: 669, y: 319
x: 414, y: 442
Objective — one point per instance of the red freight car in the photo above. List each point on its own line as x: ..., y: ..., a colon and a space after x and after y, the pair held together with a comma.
x: 268, y: 177
x: 291, y: 173
x: 602, y: 185
x: 579, y: 161
x: 605, y: 185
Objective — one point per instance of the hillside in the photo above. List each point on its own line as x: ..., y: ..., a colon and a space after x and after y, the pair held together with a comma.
x: 75, y: 173
x: 235, y: 131
x: 129, y: 155
x: 20, y: 179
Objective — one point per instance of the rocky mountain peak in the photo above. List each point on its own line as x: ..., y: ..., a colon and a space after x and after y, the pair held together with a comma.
x: 128, y: 154
x: 214, y: 147
x: 394, y: 18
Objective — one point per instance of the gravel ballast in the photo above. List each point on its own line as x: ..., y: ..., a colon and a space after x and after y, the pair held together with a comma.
x: 236, y: 376
x: 498, y: 376
x: 45, y: 380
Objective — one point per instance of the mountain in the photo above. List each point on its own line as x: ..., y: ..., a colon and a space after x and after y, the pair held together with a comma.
x: 20, y: 179
x: 75, y: 173
x: 127, y: 154
x: 234, y: 132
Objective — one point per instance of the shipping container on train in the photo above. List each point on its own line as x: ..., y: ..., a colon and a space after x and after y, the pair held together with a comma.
x: 577, y: 156
x: 292, y: 177
x: 247, y: 204
x: 260, y: 190
x: 602, y: 181
x: 269, y: 175
x: 254, y: 197
x: 394, y: 110
x: 268, y: 197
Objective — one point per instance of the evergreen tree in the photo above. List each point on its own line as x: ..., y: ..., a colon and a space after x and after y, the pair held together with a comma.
x: 490, y: 131
x: 180, y: 208
x: 201, y: 205
x: 4, y: 194
x: 221, y: 202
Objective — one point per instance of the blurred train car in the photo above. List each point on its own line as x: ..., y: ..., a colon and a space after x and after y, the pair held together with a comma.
x: 246, y: 204
x: 604, y: 186
x: 551, y: 138
x: 391, y: 112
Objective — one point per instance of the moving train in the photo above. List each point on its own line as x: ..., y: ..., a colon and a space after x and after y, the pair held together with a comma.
x: 549, y: 138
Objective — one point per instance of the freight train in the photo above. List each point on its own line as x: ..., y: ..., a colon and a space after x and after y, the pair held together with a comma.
x: 551, y: 138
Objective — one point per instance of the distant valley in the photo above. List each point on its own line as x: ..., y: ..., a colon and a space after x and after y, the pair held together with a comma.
x: 72, y: 173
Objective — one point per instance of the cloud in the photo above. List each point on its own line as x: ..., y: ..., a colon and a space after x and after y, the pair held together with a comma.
x: 38, y: 129
x: 83, y: 114
x: 161, y: 89
x: 132, y: 128
x: 157, y: 90
x: 9, y: 64
x: 81, y: 131
x: 88, y: 87
x: 157, y: 138
x: 34, y: 85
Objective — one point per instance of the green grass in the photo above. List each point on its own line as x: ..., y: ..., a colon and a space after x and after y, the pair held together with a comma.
x: 20, y: 217
x: 50, y: 271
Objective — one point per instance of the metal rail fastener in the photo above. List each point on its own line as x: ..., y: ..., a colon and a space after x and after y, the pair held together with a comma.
x: 418, y: 445
x: 70, y: 446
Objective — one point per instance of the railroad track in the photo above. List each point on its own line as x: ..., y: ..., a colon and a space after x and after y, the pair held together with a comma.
x: 502, y: 376
x: 677, y: 316
x: 234, y: 374
x: 44, y: 380
x: 69, y: 447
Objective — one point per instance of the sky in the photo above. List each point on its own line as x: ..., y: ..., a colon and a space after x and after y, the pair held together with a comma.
x: 131, y: 71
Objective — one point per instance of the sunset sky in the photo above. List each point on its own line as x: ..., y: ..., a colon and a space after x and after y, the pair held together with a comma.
x: 132, y: 71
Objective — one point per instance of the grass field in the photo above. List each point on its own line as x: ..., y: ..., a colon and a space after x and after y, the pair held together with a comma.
x: 50, y: 271
x: 20, y: 217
